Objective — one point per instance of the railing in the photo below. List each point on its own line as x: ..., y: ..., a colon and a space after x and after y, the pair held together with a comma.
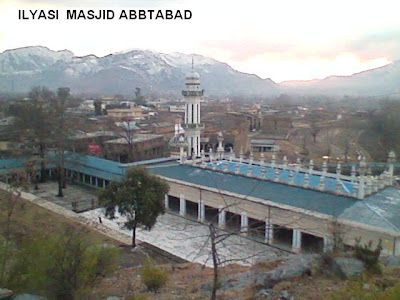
x: 193, y: 93
x: 363, y: 186
x: 200, y: 126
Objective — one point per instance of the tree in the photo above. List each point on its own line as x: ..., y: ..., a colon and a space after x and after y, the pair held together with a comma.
x: 97, y: 107
x: 139, y: 98
x: 386, y: 124
x: 60, y: 134
x: 314, y: 131
x: 33, y: 123
x: 8, y: 203
x: 139, y: 197
x: 62, y: 265
x: 32, y: 171
x: 124, y: 130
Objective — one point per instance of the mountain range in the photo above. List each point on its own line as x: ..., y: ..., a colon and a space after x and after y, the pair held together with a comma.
x: 383, y: 81
x: 164, y: 74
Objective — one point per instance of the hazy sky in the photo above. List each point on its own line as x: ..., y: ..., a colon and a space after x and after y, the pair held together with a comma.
x: 282, y: 40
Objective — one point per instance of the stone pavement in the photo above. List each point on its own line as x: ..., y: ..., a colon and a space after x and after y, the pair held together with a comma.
x: 73, y: 193
x: 189, y: 240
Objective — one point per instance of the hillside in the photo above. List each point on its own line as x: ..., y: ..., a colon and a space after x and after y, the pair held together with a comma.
x: 375, y: 82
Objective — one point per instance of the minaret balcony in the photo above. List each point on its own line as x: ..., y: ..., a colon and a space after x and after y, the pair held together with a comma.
x: 193, y: 126
x: 193, y: 93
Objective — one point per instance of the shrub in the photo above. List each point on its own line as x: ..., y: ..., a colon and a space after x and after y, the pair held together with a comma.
x: 140, y: 296
x: 61, y: 266
x: 369, y: 257
x: 153, y: 276
x: 357, y: 290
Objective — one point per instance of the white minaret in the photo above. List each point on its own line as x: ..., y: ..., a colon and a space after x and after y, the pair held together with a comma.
x: 192, y: 124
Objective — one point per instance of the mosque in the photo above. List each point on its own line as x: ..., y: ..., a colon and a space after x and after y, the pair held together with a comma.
x: 285, y: 204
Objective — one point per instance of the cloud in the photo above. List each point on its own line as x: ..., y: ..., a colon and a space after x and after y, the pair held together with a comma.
x: 246, y: 49
x: 384, y: 43
x: 278, y: 39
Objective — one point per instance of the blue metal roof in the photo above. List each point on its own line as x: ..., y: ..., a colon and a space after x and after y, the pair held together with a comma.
x: 276, y: 192
x: 90, y: 165
x: 381, y: 209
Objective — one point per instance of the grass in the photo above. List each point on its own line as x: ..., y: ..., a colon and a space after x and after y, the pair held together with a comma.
x: 370, y: 141
x: 30, y: 220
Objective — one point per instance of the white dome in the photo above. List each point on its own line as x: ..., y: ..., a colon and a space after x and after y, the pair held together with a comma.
x: 192, y: 75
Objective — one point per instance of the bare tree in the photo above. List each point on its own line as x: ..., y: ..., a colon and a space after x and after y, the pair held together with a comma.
x: 10, y: 198
x: 328, y: 141
x: 314, y: 131
x: 125, y: 130
x: 33, y: 126
x: 337, y: 235
x: 32, y: 171
x: 60, y: 134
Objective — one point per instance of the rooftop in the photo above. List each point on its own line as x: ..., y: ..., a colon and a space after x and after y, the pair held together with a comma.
x: 379, y: 210
x: 263, y: 142
x: 84, y: 135
x: 135, y: 139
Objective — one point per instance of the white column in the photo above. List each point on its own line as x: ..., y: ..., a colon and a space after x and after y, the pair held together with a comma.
x: 195, y: 121
x: 361, y: 191
x: 244, y: 223
x: 190, y: 119
x: 269, y: 231
x: 104, y: 183
x: 195, y: 146
x: 187, y: 113
x: 198, y: 145
x: 198, y: 113
x: 201, y: 211
x: 97, y: 181
x: 182, y: 205
x: 296, y: 241
x: 327, y: 244
x: 166, y: 201
x: 221, y: 217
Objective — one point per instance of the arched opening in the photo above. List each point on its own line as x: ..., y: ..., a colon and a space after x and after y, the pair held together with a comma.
x: 228, y: 147
x: 207, y: 147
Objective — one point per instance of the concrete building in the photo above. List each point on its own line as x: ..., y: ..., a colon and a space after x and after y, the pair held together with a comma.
x: 133, y: 113
x: 143, y: 147
x: 262, y: 146
x: 290, y: 206
x: 80, y: 141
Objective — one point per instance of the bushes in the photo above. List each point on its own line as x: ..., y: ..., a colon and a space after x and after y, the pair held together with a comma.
x: 369, y: 257
x: 61, y: 266
x: 366, y: 291
x: 153, y: 277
